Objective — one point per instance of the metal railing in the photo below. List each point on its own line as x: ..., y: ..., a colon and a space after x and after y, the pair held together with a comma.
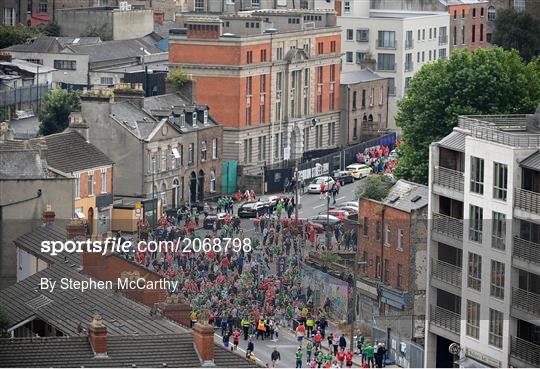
x: 449, y: 178
x: 446, y: 272
x: 409, y: 43
x: 382, y: 45
x: 444, y: 318
x: 527, y: 200
x: 526, y: 300
x: 386, y: 68
x: 409, y: 66
x: 525, y: 351
x: 443, y: 39
x: 23, y: 94
x: 526, y: 250
x: 448, y: 226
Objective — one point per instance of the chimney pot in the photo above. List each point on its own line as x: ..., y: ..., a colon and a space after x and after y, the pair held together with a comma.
x: 48, y: 216
x: 98, y: 336
x: 75, y: 228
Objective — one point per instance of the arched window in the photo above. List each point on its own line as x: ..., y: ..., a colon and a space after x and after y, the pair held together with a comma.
x: 370, y: 119
x: 212, y: 180
x: 365, y: 118
x: 163, y: 195
x: 491, y: 13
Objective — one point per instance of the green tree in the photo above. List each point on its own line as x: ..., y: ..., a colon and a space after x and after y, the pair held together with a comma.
x: 517, y: 30
x: 16, y: 35
x: 56, y: 107
x: 98, y: 31
x: 177, y: 77
x: 4, y: 323
x: 375, y: 187
x: 51, y: 29
x: 487, y: 81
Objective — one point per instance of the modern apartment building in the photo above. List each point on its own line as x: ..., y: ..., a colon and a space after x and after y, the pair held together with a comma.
x: 484, y: 244
x: 270, y: 77
x: 394, y: 43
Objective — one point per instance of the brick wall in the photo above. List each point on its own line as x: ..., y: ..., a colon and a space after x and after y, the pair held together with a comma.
x: 97, y: 182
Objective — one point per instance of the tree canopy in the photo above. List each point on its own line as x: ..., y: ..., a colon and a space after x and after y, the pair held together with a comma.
x: 375, y: 187
x: 517, y: 30
x: 16, y: 35
x: 177, y: 77
x: 56, y: 107
x: 487, y: 81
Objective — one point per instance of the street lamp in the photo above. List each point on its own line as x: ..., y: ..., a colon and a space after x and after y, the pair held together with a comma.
x: 154, y: 200
x: 296, y: 204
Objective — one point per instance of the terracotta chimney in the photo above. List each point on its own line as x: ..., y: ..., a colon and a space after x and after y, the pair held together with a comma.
x: 48, y: 215
x: 173, y: 308
x: 97, y: 333
x: 204, y: 343
x: 74, y: 229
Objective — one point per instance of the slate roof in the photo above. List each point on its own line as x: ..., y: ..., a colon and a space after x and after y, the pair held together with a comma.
x: 69, y: 152
x: 454, y: 141
x: 19, y: 164
x: 532, y: 161
x: 51, y: 44
x: 113, y: 50
x: 365, y: 75
x: 25, y: 128
x: 66, y: 308
x: 134, y: 119
x: 403, y: 193
x: 122, y: 351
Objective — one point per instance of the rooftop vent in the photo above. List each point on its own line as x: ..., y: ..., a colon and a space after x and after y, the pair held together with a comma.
x: 416, y: 198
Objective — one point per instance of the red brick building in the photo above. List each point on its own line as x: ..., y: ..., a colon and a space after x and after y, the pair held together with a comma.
x: 271, y: 79
x: 469, y: 25
x: 392, y: 239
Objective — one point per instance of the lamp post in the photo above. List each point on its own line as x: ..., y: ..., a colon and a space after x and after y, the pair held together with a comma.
x: 154, y: 200
x: 296, y: 204
x: 354, y: 293
x: 327, y: 238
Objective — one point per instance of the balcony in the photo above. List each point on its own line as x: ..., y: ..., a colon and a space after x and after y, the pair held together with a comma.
x: 443, y: 39
x: 448, y: 178
x: 384, y: 44
x: 448, y: 226
x: 445, y: 319
x: 526, y: 200
x: 526, y: 301
x: 409, y: 44
x: 526, y: 250
x: 409, y: 66
x: 525, y: 351
x: 386, y: 67
x: 23, y: 94
x: 446, y: 272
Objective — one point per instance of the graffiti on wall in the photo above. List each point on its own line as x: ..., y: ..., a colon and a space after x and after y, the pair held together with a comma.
x: 326, y: 292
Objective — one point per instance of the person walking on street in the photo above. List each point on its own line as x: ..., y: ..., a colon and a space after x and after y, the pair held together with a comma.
x: 276, y: 356
x: 335, y: 344
x: 369, y: 352
x: 379, y: 354
x: 342, y: 342
x: 250, y: 347
x: 298, y: 355
x: 309, y: 349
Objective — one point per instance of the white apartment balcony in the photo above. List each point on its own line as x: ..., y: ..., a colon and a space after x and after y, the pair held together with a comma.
x: 444, y: 322
x: 527, y: 201
x: 449, y: 179
x: 526, y: 255
x: 526, y: 353
x: 447, y: 273
x: 449, y: 228
x: 525, y: 305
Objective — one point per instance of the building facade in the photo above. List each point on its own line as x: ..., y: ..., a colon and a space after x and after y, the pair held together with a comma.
x: 276, y: 93
x: 484, y: 270
x: 469, y: 25
x: 394, y: 43
x: 364, y: 106
x: 392, y: 239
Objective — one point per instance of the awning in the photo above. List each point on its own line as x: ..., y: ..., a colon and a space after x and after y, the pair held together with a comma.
x: 454, y: 141
x: 79, y: 214
x: 532, y: 161
x: 467, y: 362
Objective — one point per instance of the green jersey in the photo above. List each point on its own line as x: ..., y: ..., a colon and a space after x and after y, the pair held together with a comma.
x: 298, y: 355
x: 368, y: 350
x: 309, y: 347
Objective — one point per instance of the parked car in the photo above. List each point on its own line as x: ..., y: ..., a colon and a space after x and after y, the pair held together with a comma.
x: 343, y: 176
x: 338, y: 213
x: 272, y: 201
x: 323, y: 218
x: 350, y: 209
x: 315, y: 186
x: 251, y: 209
x: 210, y: 219
x: 359, y: 170
x: 353, y: 204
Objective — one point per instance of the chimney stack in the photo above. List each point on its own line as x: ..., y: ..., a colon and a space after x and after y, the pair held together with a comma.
x: 132, y: 92
x: 204, y: 343
x: 48, y: 216
x: 75, y: 228
x: 78, y: 124
x: 97, y: 333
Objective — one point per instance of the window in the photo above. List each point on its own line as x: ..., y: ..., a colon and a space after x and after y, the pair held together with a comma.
x: 473, y: 33
x: 462, y: 13
x: 408, y: 62
x: 386, y: 62
x: 10, y: 17
x: 174, y: 157
x: 418, y: 57
x: 191, y: 153
x: 355, y: 128
x: 498, y: 231
x: 77, y: 187
x: 104, y: 182
x: 442, y: 53
x: 454, y: 36
x: 423, y: 56
x: 65, y: 64
x: 347, y: 7
x: 318, y: 135
x: 387, y: 235
x: 423, y: 34
x: 163, y: 160
x: 212, y: 180
x: 42, y: 6
x: 401, y: 235
x: 279, y: 53
x: 455, y: 14
x: 481, y: 36
x: 249, y: 57
x: 378, y: 230
x: 306, y: 139
x: 473, y: 319
x: 497, y: 280
x: 463, y: 35
x: 378, y: 267
x: 247, y: 150
x: 263, y: 55
x: 214, y: 148
x: 276, y: 145
x: 203, y: 150
x: 495, y: 328
x: 350, y: 34
x: 474, y: 272
x: 429, y: 55
x: 363, y: 99
x: 491, y: 13
x: 90, y: 184
x: 381, y: 95
x: 371, y: 96
x: 474, y: 12
x: 475, y: 223
x: 387, y: 39
x: 430, y: 33
x: 477, y: 175
x: 320, y: 48
x: 391, y: 86
x: 399, y: 283
x: 362, y: 35
x: 108, y: 81
x: 365, y: 260
x: 409, y: 42
x: 481, y: 12
x: 407, y: 83
x: 366, y: 226
x: 349, y: 57
x: 500, y: 181
x: 386, y: 271
x: 333, y: 46
x: 419, y: 34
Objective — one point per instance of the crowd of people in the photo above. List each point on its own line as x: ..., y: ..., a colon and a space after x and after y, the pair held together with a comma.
x: 378, y: 158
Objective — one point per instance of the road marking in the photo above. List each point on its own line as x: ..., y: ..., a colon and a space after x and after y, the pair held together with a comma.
x: 319, y: 206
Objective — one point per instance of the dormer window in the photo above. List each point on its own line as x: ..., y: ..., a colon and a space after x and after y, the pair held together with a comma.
x: 194, y: 118
x: 205, y: 117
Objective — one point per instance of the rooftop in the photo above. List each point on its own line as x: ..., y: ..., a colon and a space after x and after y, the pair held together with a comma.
x: 50, y: 44
x: 18, y: 163
x: 407, y: 196
x: 364, y: 75
x: 403, y: 14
